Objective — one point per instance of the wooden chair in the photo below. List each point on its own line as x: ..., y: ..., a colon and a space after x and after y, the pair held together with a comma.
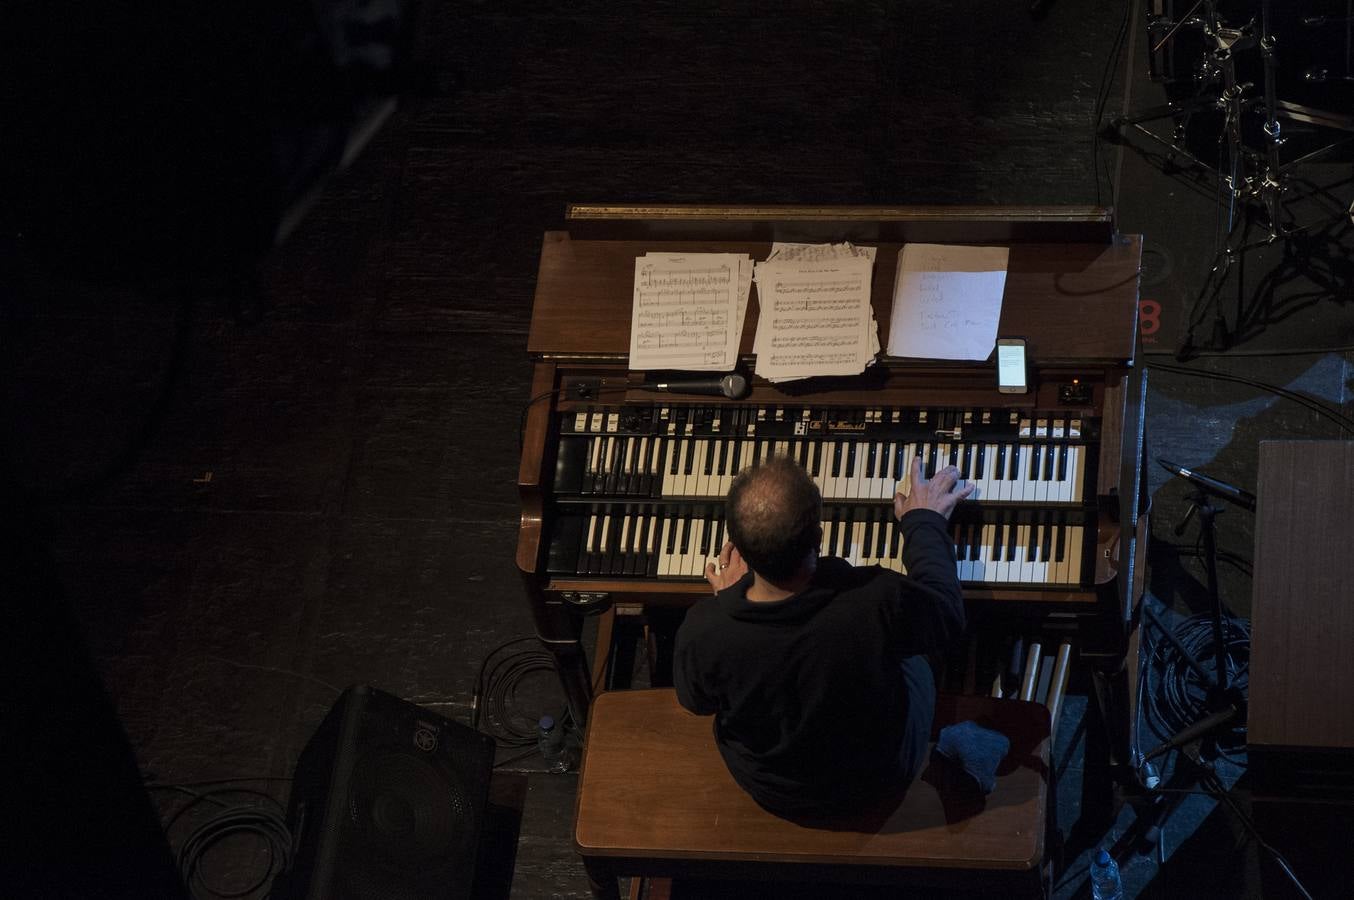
x: 655, y: 799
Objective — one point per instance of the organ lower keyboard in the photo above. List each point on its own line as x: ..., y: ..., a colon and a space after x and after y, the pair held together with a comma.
x: 622, y: 490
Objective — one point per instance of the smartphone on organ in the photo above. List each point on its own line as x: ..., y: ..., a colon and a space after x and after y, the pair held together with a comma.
x: 1012, y: 368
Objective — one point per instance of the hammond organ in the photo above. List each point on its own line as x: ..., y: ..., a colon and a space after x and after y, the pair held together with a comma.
x: 622, y: 490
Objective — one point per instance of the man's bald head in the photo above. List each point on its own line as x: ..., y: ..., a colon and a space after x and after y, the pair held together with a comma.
x: 774, y: 511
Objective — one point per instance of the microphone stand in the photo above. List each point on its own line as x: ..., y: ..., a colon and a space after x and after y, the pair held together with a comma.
x: 1224, y: 704
x: 1222, y: 701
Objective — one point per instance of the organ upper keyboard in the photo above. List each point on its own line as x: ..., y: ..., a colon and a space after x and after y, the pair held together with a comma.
x: 622, y: 490
x: 1024, y: 524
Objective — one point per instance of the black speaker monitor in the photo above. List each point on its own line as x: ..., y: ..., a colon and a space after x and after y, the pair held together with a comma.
x: 387, y: 802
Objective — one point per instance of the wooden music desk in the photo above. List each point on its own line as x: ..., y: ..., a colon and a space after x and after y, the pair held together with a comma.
x: 655, y: 798
x: 1301, y: 715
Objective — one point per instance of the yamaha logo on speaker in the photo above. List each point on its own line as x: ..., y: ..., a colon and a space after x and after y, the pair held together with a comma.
x: 425, y: 737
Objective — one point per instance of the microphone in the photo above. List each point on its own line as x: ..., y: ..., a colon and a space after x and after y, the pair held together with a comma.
x: 734, y: 387
x: 1221, y: 488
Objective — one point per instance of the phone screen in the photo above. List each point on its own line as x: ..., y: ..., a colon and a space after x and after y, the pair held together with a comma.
x: 1011, y: 365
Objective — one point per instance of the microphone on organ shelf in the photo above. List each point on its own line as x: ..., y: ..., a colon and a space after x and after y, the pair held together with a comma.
x: 734, y: 387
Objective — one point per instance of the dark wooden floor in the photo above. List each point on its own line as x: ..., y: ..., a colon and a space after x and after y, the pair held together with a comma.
x: 246, y: 517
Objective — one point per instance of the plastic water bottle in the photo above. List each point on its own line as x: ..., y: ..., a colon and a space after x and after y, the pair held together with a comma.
x: 1105, y: 883
x: 550, y: 740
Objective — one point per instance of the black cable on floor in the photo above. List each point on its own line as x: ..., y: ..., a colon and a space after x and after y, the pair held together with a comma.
x: 1322, y: 409
x: 1174, y: 695
x: 496, y: 686
x: 266, y: 821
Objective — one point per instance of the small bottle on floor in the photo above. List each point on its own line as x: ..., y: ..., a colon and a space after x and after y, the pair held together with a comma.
x: 1105, y: 883
x: 550, y: 740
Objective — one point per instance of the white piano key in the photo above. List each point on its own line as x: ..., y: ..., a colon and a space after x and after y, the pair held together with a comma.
x: 885, y: 482
x: 701, y: 551
x: 856, y: 486
x: 1025, y: 486
x: 1076, y: 472
x: 665, y: 467
x: 991, y: 553
x: 1021, y: 567
x: 1039, y: 569
x: 858, y: 544
x: 702, y: 485
x: 1041, y: 484
x: 594, y: 454
x: 1073, y: 553
x: 673, y: 529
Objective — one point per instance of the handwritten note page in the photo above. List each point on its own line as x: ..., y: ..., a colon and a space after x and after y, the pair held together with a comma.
x: 947, y: 301
x: 815, y: 318
x: 688, y: 311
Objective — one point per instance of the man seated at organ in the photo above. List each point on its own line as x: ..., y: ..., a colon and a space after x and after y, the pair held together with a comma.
x: 815, y: 670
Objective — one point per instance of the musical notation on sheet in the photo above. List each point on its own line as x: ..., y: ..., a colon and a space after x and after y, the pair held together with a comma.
x: 688, y: 311
x: 815, y: 318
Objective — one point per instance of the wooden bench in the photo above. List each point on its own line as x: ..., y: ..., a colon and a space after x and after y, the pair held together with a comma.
x: 655, y: 799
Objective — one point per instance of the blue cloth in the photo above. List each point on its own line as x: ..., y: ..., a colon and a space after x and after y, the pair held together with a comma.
x: 976, y: 750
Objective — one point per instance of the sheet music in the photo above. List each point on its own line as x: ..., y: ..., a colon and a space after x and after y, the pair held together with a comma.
x: 947, y: 301
x: 688, y: 310
x: 786, y: 251
x: 815, y: 318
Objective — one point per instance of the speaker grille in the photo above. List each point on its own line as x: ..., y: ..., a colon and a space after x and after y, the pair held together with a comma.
x: 409, y: 811
x: 389, y: 802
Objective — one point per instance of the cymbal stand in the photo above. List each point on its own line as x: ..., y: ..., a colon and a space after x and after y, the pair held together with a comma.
x: 1246, y: 178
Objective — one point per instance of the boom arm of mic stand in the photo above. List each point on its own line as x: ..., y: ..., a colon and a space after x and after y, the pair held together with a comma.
x: 1194, y: 732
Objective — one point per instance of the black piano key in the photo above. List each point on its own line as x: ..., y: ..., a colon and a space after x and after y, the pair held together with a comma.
x: 570, y: 463
x: 1001, y: 462
x: 1048, y: 463
x: 1034, y: 461
x: 850, y: 459
x: 1059, y: 554
x: 895, y: 541
x: 1047, y: 543
x: 590, y: 475
x: 1013, y: 456
x: 1033, y: 543
x: 638, y: 560
x: 647, y: 485
x: 881, y: 548
x: 656, y: 539
x: 710, y: 458
x: 898, y: 459
x: 954, y: 455
x: 1010, y: 543
x: 584, y: 563
x: 1062, y: 462
x: 673, y: 449
x: 689, y: 462
x: 931, y: 451
x: 565, y: 542
x: 611, y: 463
x: 975, y: 544
x: 872, y: 461
x: 980, y: 461
x: 625, y: 448
x: 836, y: 459
x: 611, y: 557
